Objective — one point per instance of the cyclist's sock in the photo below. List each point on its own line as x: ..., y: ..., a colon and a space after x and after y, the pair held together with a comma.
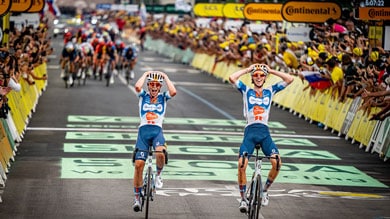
x: 268, y: 184
x: 242, y: 190
x: 159, y: 170
x: 137, y: 192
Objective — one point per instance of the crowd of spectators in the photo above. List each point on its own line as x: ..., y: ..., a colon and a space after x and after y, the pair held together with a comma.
x: 349, y: 64
x: 24, y: 49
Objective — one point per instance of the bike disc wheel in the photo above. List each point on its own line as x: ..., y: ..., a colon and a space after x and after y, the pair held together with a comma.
x: 148, y: 191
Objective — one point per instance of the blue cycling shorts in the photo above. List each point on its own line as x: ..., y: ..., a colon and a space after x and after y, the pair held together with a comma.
x: 258, y: 134
x: 148, y: 135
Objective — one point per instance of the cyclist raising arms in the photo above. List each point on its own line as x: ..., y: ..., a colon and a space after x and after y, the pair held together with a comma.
x: 152, y: 107
x: 257, y: 104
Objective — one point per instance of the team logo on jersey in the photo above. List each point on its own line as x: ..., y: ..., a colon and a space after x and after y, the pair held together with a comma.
x: 153, y: 107
x: 259, y: 101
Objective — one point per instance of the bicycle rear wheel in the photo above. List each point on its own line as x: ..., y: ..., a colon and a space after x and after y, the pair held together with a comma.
x: 148, y: 191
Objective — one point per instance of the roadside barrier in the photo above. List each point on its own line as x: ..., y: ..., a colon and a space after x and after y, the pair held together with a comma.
x: 12, y: 128
x: 343, y: 118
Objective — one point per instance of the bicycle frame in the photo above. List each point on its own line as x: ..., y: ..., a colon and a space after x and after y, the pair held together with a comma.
x: 255, y: 192
x: 149, y: 189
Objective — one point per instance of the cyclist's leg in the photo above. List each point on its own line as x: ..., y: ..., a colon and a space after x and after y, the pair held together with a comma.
x: 160, y: 157
x: 248, y: 145
x: 269, y: 149
x: 139, y: 165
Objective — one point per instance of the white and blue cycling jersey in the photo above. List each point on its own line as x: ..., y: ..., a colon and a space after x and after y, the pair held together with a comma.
x: 257, y: 106
x: 152, y: 113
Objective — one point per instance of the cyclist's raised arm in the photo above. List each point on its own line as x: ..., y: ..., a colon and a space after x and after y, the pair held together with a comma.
x: 139, y: 84
x: 170, y: 85
x: 284, y: 76
x: 233, y: 78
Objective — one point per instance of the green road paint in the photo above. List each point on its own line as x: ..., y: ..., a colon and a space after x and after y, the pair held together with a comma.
x: 308, y: 154
x: 82, y: 168
x: 98, y: 148
x: 180, y: 137
x: 192, y: 150
x: 106, y: 126
x: 241, y: 130
x: 336, y: 175
x: 176, y: 121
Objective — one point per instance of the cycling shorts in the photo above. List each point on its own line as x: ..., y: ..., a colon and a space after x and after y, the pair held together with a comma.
x: 258, y: 133
x: 148, y: 135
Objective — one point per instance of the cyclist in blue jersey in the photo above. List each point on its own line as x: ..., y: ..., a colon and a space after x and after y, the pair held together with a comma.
x: 152, y: 107
x: 129, y: 59
x: 257, y: 104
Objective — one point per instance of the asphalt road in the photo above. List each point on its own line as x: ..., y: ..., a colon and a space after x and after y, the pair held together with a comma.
x: 75, y: 158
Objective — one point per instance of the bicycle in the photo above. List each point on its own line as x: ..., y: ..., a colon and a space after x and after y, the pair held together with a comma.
x: 149, y: 188
x: 129, y: 73
x: 255, y: 192
x: 109, y: 72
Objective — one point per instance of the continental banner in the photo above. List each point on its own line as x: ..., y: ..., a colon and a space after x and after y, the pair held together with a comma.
x: 263, y: 12
x: 21, y: 6
x: 374, y: 13
x: 310, y: 12
x: 4, y: 7
x: 37, y: 6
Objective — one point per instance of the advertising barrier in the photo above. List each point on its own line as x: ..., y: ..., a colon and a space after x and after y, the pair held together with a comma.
x: 12, y: 128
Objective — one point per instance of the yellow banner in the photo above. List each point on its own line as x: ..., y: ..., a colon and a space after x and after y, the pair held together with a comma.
x: 20, y: 5
x: 263, y: 12
x: 37, y: 6
x: 312, y: 12
x: 374, y: 13
x: 4, y: 7
x: 208, y: 10
x: 234, y: 10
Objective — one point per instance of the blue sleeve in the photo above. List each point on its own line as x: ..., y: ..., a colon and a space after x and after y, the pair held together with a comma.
x: 240, y: 86
x: 278, y: 86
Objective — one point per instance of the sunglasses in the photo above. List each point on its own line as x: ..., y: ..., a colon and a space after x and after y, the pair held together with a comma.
x: 258, y: 75
x: 154, y: 84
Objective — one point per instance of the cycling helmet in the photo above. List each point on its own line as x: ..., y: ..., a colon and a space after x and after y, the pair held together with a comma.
x: 86, y: 49
x: 118, y: 42
x: 259, y: 67
x: 155, y: 76
x: 69, y: 47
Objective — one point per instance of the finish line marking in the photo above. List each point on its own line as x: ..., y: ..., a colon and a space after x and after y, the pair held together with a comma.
x: 174, y: 131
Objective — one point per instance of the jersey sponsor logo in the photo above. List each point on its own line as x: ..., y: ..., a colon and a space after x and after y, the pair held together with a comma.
x: 259, y: 101
x: 153, y: 107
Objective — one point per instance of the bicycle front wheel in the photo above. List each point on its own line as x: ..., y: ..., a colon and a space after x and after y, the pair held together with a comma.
x: 258, y: 196
x: 255, y: 198
x: 148, y: 191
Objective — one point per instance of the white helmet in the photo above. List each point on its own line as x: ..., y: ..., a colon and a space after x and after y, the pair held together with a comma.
x: 69, y: 46
x: 259, y: 67
x: 155, y: 76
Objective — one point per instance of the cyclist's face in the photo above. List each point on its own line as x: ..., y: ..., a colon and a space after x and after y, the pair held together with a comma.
x: 154, y: 88
x: 258, y: 78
